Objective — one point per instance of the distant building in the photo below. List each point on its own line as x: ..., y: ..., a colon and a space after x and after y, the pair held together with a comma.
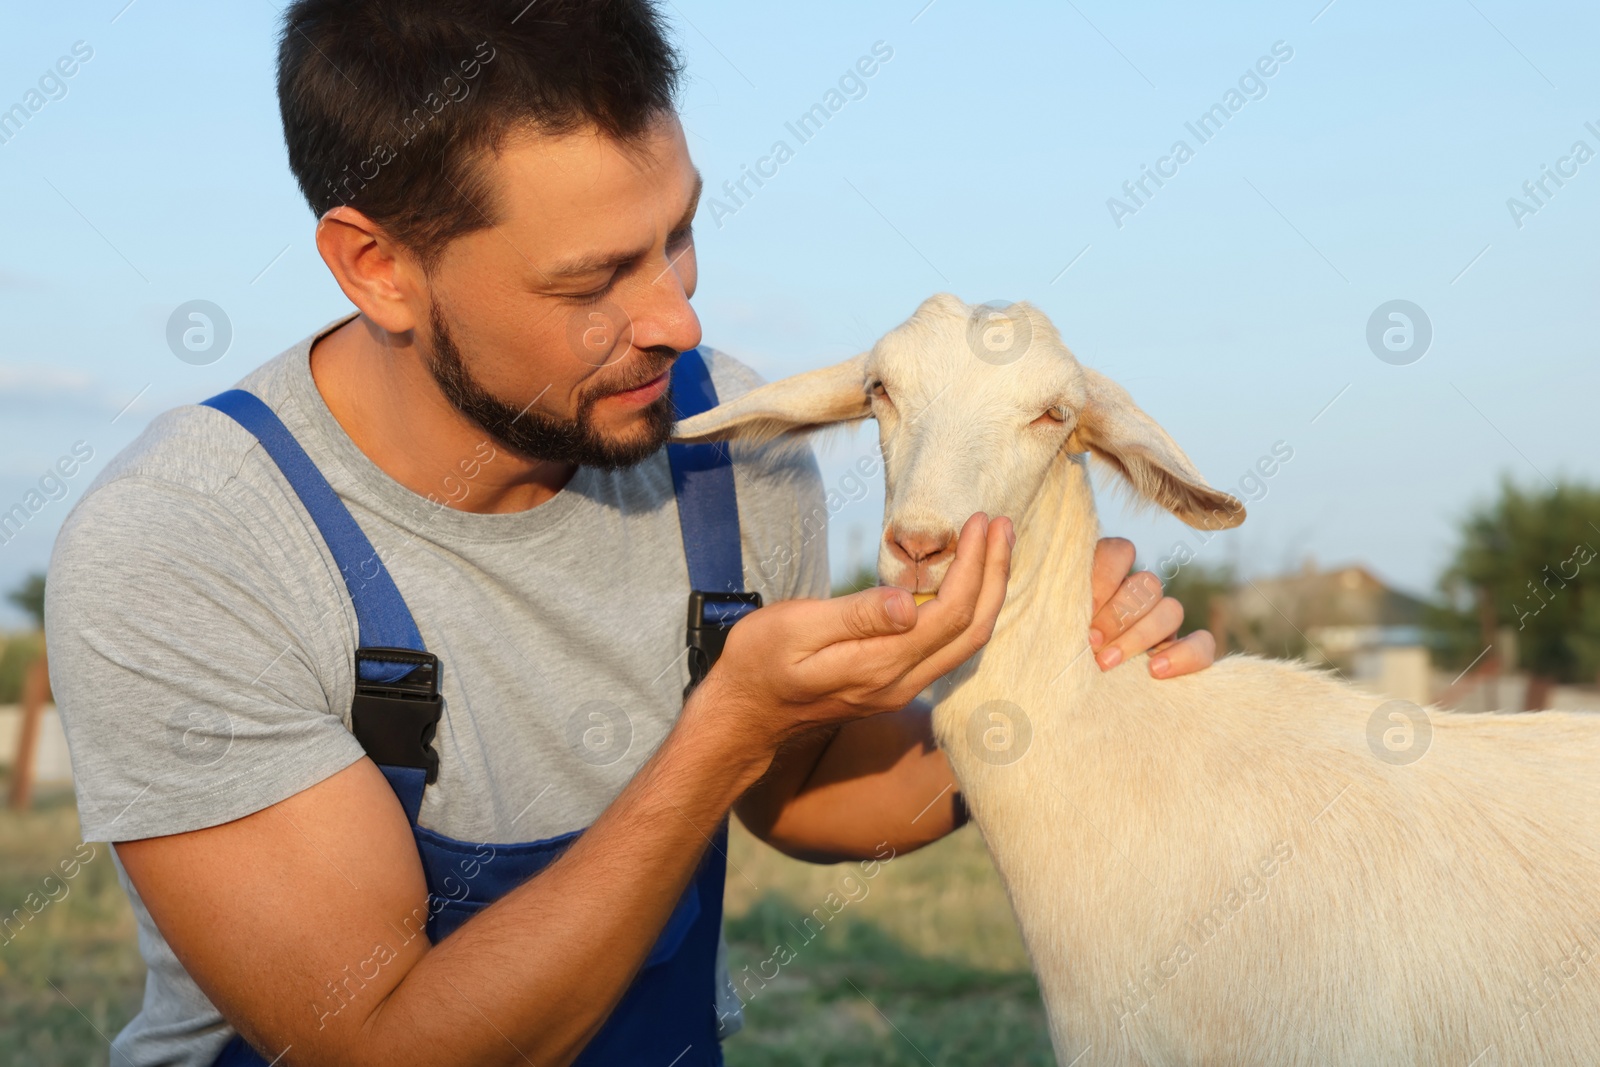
x: 1375, y: 636
x: 1324, y: 616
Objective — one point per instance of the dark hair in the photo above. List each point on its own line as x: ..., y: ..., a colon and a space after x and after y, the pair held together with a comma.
x: 391, y: 106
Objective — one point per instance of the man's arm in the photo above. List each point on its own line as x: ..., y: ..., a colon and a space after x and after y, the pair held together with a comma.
x: 301, y: 922
x: 294, y: 920
x: 841, y: 794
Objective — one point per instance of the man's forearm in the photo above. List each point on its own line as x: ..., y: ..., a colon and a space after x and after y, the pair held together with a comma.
x: 534, y: 976
x: 876, y: 780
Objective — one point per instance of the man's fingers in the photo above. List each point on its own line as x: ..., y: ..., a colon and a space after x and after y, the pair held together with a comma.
x: 986, y: 608
x: 1136, y: 596
x: 958, y: 593
x: 1113, y: 559
x: 996, y: 573
x: 1155, y: 626
x: 875, y: 612
x: 1184, y: 656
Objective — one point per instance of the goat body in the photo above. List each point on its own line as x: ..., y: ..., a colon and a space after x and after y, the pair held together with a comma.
x: 1217, y: 869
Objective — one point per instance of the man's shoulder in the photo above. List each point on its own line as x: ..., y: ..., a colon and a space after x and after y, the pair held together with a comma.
x: 193, y: 494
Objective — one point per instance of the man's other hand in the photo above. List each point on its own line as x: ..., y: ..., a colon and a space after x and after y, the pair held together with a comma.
x: 1132, y: 615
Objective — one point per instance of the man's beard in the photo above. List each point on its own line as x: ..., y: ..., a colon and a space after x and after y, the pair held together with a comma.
x: 538, y: 436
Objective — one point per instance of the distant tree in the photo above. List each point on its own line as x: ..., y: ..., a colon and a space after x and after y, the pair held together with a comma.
x: 29, y: 596
x: 19, y: 653
x: 1198, y: 588
x: 1453, y: 633
x: 1530, y: 560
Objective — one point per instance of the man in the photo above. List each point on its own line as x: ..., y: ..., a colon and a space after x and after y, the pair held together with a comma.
x: 506, y: 198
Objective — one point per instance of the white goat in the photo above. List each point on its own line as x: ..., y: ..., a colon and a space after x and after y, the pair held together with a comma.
x: 1228, y: 868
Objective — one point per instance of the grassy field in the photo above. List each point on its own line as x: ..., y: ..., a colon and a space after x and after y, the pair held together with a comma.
x: 918, y: 964
x: 72, y: 973
x: 912, y: 961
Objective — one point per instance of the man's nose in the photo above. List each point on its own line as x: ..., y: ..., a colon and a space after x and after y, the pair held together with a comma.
x: 661, y: 316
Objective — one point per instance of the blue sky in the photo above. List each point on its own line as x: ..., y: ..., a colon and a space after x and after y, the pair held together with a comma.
x: 1374, y: 164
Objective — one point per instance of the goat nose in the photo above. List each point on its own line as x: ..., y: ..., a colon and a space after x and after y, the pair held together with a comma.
x: 919, y: 546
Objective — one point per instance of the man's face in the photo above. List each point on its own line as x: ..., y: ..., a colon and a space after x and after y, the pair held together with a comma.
x: 555, y: 330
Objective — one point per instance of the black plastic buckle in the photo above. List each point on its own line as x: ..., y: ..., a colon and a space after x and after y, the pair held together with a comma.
x: 395, y: 721
x: 711, y: 616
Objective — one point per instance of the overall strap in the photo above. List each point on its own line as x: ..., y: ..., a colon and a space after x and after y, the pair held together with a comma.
x: 708, y: 514
x: 382, y: 618
x: 397, y: 705
x: 702, y: 480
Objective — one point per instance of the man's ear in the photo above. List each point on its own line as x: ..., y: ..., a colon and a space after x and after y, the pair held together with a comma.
x: 1114, y: 428
x: 788, y: 407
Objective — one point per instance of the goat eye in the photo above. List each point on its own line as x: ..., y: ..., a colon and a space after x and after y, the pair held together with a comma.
x: 880, y: 392
x: 1056, y: 414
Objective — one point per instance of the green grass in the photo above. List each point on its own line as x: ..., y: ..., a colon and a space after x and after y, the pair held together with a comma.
x: 918, y: 964
x: 71, y: 973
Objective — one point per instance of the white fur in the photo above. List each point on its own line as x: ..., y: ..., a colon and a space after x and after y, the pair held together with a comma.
x: 1215, y: 869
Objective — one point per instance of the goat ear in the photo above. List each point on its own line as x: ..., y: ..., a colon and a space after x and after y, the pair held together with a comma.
x: 787, y: 407
x: 1114, y: 428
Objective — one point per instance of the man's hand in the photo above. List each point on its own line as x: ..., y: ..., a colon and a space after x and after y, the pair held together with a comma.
x: 1132, y: 616
x: 792, y: 667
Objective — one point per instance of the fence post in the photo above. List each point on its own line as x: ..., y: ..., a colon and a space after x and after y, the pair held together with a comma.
x: 35, y: 688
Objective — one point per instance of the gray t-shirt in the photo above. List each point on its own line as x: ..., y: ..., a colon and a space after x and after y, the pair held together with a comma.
x: 202, y: 640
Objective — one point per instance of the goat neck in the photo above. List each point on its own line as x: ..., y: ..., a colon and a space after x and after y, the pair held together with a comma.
x: 1049, y: 601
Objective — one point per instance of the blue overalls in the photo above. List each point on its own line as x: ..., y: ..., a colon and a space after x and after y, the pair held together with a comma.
x: 668, y: 1015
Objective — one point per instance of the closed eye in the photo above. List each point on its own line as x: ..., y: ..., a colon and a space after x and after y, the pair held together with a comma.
x: 1054, y: 415
x: 594, y: 296
x: 881, y: 393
